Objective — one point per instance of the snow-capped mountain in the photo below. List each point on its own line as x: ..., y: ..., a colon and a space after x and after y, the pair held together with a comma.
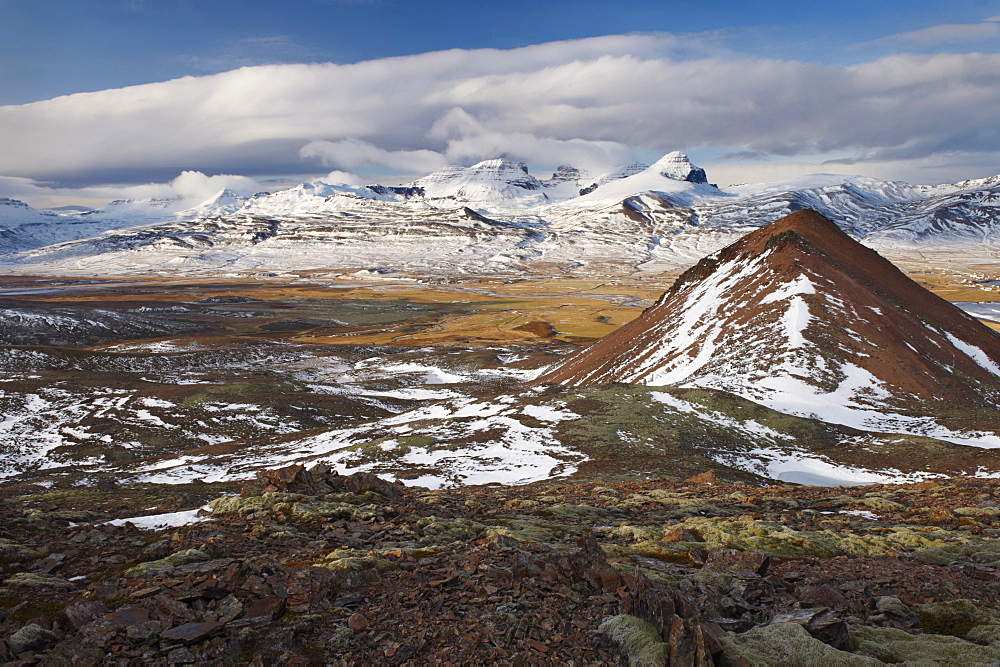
x: 497, y: 181
x: 800, y: 317
x: 223, y: 203
x: 496, y: 217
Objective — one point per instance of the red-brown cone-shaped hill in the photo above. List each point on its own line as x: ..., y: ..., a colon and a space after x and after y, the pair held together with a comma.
x: 800, y: 316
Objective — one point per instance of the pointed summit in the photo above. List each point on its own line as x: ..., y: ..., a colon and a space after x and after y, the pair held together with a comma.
x: 221, y: 203
x: 802, y: 318
x: 677, y: 166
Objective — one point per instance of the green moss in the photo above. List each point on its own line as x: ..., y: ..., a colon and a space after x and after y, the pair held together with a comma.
x: 778, y: 540
x: 531, y: 530
x: 351, y: 560
x: 432, y: 497
x: 668, y: 552
x: 637, y: 533
x: 638, y: 640
x: 882, y: 505
x: 297, y: 507
x: 786, y: 644
x: 573, y: 512
x: 33, y: 609
x: 978, y: 512
x: 225, y: 392
x: 237, y: 505
x: 895, y: 646
x: 165, y: 565
x: 954, y: 617
x: 985, y: 634
x: 31, y: 580
x: 437, y: 530
x: 332, y: 511
x: 363, y: 498
x: 387, y: 448
x: 973, y: 550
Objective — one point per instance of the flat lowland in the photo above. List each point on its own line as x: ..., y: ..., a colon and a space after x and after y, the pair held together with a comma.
x: 442, y: 312
x: 638, y: 546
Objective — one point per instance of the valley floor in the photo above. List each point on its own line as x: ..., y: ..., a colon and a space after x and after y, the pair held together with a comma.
x: 634, y: 523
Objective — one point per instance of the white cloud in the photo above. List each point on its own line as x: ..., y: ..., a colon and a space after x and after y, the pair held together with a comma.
x: 590, y: 102
x: 937, y: 169
x: 189, y: 188
x: 337, y: 176
x: 354, y: 153
x: 949, y: 33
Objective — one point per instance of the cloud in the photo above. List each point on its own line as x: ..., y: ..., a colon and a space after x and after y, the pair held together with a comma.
x: 347, y: 178
x: 251, y: 51
x: 189, y: 188
x: 353, y: 153
x: 952, y: 167
x: 590, y: 101
x: 949, y: 33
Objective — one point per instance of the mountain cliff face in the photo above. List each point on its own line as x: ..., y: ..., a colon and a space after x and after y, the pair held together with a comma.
x: 799, y: 316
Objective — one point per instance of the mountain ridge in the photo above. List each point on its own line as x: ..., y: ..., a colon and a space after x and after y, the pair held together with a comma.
x: 635, y: 219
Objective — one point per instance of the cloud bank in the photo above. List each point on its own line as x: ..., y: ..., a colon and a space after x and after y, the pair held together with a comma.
x: 949, y: 33
x: 591, y: 102
x: 189, y: 188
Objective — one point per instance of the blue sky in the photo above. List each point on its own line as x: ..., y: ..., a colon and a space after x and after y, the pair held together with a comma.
x: 818, y: 67
x: 57, y: 47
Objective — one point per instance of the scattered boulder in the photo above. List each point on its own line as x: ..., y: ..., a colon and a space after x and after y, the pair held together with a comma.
x: 823, y: 596
x: 357, y: 622
x: 707, y: 477
x: 721, y: 560
x: 893, y: 609
x: 31, y: 637
x: 168, y: 564
x: 80, y: 614
x: 191, y: 633
x: 822, y: 623
x: 318, y: 480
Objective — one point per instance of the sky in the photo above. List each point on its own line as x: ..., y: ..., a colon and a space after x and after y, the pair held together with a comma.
x: 105, y: 99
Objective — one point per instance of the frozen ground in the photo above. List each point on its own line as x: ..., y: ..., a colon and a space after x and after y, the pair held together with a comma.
x: 189, y: 407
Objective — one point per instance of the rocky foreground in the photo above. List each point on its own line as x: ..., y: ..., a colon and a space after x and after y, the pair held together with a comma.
x: 308, y: 567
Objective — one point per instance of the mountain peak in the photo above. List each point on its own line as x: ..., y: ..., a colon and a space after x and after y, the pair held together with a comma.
x: 222, y: 202
x: 677, y: 166
x: 496, y: 180
x: 800, y: 317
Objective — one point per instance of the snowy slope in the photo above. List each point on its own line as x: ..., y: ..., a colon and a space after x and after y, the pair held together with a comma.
x: 495, y: 217
x: 498, y: 182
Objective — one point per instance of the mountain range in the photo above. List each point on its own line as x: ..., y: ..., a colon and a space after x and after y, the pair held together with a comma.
x: 493, y: 217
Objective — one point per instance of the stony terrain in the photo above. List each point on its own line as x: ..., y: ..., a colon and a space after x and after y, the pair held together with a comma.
x: 308, y: 567
x: 656, y: 540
